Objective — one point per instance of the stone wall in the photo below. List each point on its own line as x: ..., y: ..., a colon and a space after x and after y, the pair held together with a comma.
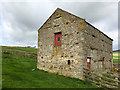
x: 102, y: 79
x: 77, y: 44
x: 98, y: 45
x: 56, y: 58
x: 20, y: 53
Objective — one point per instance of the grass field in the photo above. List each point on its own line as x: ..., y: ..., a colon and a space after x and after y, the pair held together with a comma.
x: 23, y: 49
x: 17, y: 73
x: 116, y: 57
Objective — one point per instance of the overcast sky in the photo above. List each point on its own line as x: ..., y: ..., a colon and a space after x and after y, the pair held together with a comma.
x: 20, y: 21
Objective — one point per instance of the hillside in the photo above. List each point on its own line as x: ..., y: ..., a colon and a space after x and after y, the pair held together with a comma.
x: 21, y: 72
x: 22, y: 49
x: 116, y: 56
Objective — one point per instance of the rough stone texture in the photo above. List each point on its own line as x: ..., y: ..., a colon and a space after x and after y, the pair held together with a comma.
x: 79, y: 41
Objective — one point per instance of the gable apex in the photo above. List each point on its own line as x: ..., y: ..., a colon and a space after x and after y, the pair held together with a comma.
x: 59, y: 10
x: 62, y: 11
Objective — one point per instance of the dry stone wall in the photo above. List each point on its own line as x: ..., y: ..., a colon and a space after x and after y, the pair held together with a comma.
x: 20, y: 53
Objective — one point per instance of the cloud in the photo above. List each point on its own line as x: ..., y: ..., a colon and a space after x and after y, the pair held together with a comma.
x: 21, y: 20
x: 94, y: 12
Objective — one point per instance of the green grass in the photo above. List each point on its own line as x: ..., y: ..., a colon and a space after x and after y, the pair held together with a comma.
x: 17, y: 73
x: 116, y: 57
x: 115, y: 61
x: 25, y: 49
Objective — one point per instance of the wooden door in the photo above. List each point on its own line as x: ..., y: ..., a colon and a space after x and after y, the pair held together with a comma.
x: 89, y: 62
x: 58, y: 38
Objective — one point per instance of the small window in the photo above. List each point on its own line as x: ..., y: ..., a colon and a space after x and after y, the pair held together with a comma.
x: 58, y: 38
x: 61, y: 55
x: 71, y: 56
x: 66, y: 22
x: 68, y: 62
x: 93, y: 35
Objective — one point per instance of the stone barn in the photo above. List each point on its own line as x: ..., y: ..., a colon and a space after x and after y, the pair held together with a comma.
x: 67, y: 44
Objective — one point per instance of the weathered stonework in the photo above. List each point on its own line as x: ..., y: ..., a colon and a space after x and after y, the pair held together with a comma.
x: 79, y: 41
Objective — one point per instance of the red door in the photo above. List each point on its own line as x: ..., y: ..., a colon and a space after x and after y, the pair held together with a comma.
x: 103, y: 62
x: 88, y: 62
x: 58, y: 37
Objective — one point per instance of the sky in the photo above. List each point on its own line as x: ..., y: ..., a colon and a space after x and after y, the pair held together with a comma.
x: 20, y: 21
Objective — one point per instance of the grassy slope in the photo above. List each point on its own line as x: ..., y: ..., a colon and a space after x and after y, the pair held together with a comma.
x: 17, y: 73
x: 24, y: 49
x: 116, y: 56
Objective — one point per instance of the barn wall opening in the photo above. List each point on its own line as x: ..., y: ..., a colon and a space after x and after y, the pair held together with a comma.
x: 68, y: 62
x: 89, y: 62
x: 103, y: 62
x: 57, y: 39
